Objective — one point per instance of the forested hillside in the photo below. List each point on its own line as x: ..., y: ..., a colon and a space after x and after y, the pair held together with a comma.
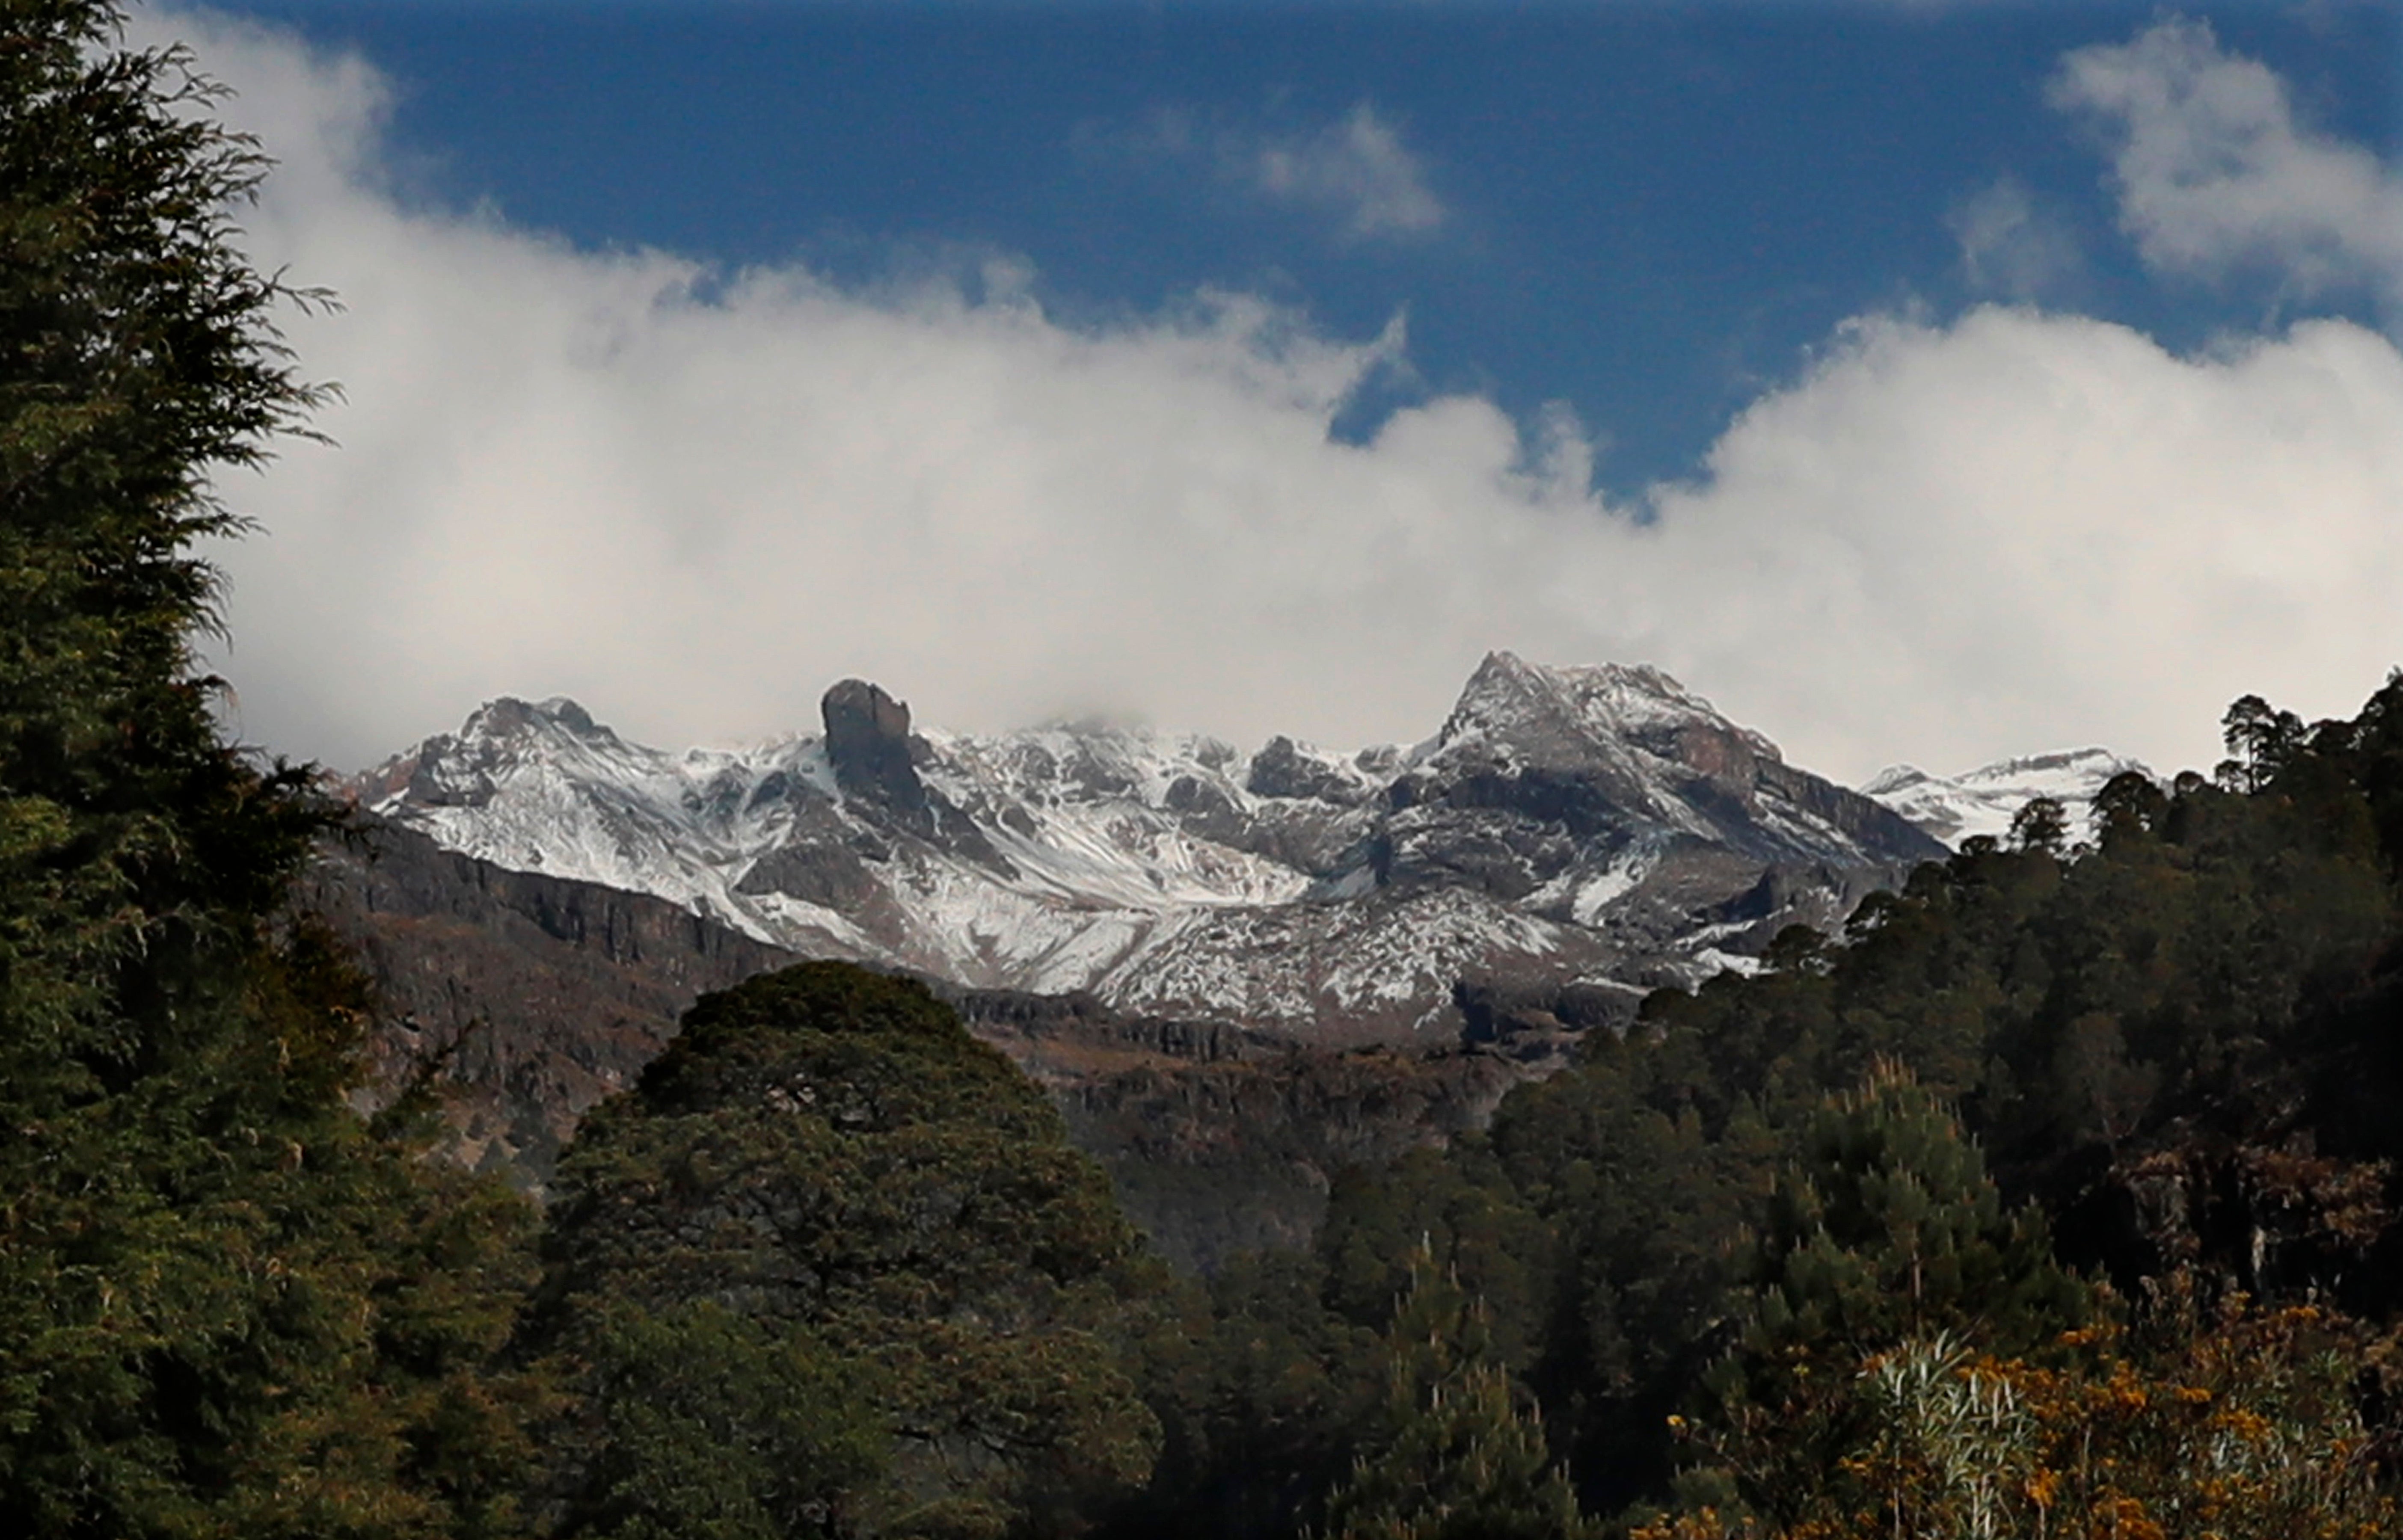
x: 2060, y: 1187
x: 2054, y: 1198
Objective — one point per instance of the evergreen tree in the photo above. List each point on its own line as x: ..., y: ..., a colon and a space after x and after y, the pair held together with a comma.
x: 1887, y: 1230
x: 2260, y: 740
x: 1888, y: 1226
x: 1455, y: 1454
x: 227, y: 1306
x: 716, y: 1426
x: 1645, y: 1199
x: 1260, y: 1389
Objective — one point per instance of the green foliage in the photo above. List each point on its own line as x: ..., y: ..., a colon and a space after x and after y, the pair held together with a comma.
x: 136, y: 851
x: 889, y: 1206
x: 708, y: 1425
x: 1644, y: 1191
x: 1454, y: 1455
x: 1887, y: 1225
x: 1886, y: 1229
x: 1456, y: 1207
x: 229, y: 1309
x: 226, y: 1306
x: 1260, y: 1390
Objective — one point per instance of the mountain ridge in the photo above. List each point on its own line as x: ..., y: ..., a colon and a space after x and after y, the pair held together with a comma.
x: 1986, y: 800
x: 1597, y: 824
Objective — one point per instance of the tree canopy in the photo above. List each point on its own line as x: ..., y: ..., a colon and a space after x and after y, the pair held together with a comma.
x: 826, y: 1165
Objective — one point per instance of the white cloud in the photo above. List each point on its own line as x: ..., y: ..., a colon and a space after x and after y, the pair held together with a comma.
x: 572, y: 472
x: 2045, y: 530
x: 1357, y: 170
x: 1355, y: 175
x: 2010, y: 245
x: 2215, y: 172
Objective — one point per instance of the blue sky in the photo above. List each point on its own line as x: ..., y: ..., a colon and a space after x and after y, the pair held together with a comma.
x: 1473, y: 295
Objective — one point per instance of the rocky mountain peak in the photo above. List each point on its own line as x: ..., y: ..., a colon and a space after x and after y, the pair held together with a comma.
x: 498, y: 738
x: 1506, y: 692
x: 867, y: 744
x: 1551, y: 714
x: 509, y: 717
x: 1555, y: 787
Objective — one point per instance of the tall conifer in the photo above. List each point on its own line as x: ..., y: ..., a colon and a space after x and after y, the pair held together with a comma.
x: 225, y: 1307
x: 1457, y: 1456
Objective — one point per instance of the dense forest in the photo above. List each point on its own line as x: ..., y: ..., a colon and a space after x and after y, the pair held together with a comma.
x: 2055, y: 1197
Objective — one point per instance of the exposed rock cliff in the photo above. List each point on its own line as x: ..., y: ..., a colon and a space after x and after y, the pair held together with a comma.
x: 527, y: 997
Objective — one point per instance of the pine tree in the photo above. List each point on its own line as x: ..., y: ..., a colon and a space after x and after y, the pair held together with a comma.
x: 1456, y: 1455
x: 227, y: 1306
x: 1888, y: 1226
x: 1887, y: 1230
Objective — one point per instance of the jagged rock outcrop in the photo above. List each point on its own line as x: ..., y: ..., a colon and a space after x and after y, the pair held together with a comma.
x: 874, y: 757
x: 1284, y: 769
x: 867, y: 745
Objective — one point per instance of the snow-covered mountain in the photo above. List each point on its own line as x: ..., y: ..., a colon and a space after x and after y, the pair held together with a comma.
x: 1985, y: 801
x: 1567, y: 826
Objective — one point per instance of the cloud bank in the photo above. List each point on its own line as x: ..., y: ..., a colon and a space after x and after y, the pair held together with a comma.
x: 693, y: 499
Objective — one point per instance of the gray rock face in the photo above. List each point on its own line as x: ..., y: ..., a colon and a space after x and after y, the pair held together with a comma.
x: 875, y: 762
x: 1567, y: 826
x: 868, y: 744
x: 530, y: 997
x: 1282, y: 770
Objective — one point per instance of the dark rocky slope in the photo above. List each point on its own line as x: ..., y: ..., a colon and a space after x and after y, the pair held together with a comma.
x: 529, y: 998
